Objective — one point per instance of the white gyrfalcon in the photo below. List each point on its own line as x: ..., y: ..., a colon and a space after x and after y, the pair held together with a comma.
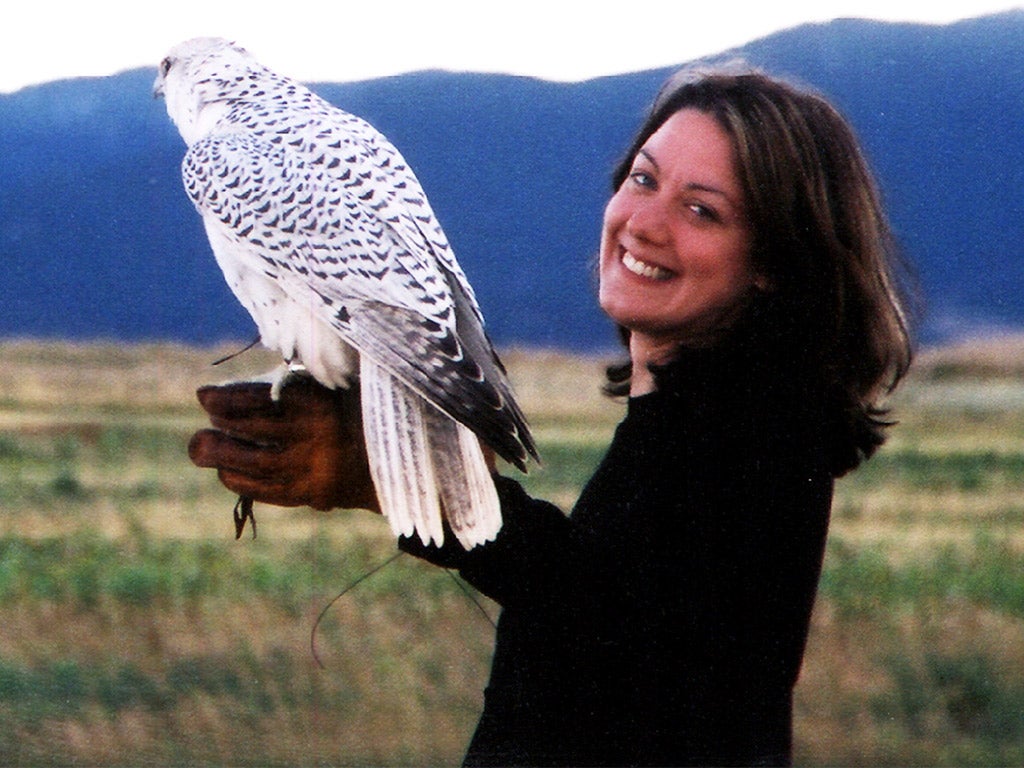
x: 326, y: 237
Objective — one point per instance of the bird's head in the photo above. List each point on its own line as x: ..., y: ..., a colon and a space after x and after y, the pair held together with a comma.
x: 196, y: 79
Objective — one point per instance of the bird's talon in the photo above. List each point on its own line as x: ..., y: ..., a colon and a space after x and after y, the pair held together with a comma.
x: 241, y: 513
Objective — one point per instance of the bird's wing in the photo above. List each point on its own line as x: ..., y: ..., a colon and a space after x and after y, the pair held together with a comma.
x: 398, y: 198
x: 330, y: 229
x: 383, y: 177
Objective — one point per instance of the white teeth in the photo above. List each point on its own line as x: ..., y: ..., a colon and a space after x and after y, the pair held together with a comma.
x: 637, y: 267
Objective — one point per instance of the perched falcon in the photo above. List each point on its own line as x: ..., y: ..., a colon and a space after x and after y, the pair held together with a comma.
x: 326, y: 237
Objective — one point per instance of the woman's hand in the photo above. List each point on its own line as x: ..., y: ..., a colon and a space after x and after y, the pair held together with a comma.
x: 304, y: 449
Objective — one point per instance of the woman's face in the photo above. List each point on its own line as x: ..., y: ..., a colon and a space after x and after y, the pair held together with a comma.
x: 675, y: 248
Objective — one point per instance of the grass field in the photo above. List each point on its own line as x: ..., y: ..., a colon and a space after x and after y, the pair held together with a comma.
x: 134, y: 628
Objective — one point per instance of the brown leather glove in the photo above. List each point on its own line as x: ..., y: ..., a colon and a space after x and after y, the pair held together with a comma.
x: 304, y: 449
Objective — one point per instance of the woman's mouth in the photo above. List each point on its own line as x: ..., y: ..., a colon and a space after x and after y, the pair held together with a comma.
x: 643, y: 269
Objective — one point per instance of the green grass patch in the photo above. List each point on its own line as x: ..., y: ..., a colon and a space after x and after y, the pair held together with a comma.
x: 966, y: 702
x: 68, y: 688
x: 565, y: 470
x: 83, y: 463
x: 86, y: 570
x: 865, y: 579
x: 956, y: 470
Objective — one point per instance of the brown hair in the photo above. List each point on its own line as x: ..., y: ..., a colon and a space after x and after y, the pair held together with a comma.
x: 820, y: 237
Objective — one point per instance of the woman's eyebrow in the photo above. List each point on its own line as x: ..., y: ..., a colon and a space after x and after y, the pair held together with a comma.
x: 650, y: 158
x: 697, y: 187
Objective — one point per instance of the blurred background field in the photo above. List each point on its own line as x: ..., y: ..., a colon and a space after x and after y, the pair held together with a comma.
x: 134, y: 629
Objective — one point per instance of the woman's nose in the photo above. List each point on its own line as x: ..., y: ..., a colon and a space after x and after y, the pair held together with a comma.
x: 647, y: 221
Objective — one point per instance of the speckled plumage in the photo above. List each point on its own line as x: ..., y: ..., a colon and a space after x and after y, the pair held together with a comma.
x: 326, y: 237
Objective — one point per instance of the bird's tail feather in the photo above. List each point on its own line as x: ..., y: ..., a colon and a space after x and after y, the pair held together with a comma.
x: 421, y: 460
x: 468, y: 496
x: 399, y: 454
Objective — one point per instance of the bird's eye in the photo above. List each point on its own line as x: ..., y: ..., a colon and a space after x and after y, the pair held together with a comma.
x: 165, y: 66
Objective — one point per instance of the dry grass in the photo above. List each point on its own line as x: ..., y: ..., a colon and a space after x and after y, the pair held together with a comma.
x: 991, y: 357
x: 172, y: 643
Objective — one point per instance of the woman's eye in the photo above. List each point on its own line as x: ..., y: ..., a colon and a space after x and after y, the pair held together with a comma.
x: 642, y: 179
x: 703, y: 212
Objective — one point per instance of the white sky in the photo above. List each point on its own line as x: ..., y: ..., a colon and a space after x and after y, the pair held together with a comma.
x: 343, y: 40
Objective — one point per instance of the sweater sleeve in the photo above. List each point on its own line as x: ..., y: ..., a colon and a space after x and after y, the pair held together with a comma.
x: 589, y: 562
x: 521, y: 562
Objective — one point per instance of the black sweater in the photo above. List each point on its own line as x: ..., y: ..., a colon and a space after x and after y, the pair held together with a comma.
x: 663, y: 622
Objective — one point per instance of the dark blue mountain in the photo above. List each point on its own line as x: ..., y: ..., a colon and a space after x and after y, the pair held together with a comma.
x: 99, y: 241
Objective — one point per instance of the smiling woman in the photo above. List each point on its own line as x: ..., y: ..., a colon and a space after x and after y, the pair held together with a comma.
x: 747, y: 262
x: 675, y: 262
x: 820, y: 271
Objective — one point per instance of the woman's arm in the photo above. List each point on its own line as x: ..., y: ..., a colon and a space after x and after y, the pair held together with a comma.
x: 525, y: 558
x: 307, y: 449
